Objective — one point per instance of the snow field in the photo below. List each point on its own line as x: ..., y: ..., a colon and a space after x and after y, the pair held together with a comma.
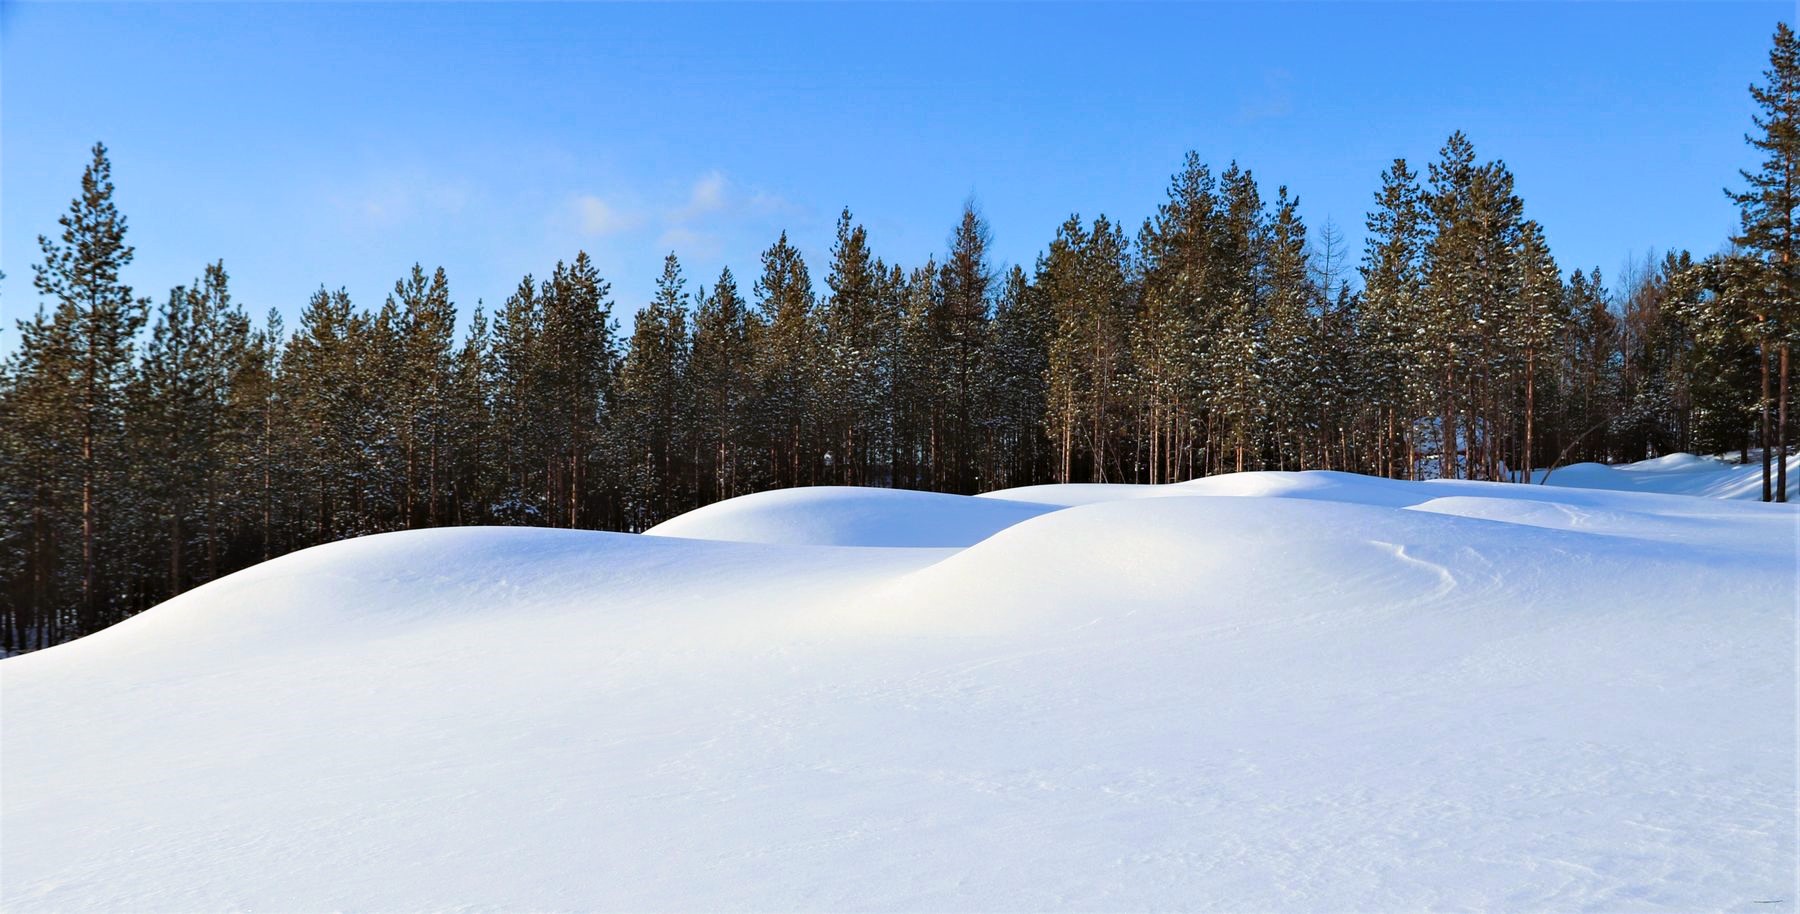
x: 1308, y: 692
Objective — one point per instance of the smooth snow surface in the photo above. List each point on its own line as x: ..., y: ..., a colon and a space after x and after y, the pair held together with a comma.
x: 1676, y: 474
x: 1262, y: 692
x: 849, y: 516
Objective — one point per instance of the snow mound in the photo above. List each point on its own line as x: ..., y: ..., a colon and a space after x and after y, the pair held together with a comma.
x: 1677, y: 463
x: 850, y: 516
x: 1069, y: 495
x: 1272, y: 692
x: 1676, y: 474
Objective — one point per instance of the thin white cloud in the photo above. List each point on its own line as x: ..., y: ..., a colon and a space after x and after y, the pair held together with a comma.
x: 700, y: 218
x: 598, y: 217
x: 715, y: 202
x: 397, y: 197
x: 709, y: 194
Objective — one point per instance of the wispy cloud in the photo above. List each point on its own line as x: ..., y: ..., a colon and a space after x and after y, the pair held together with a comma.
x: 715, y: 198
x: 395, y: 198
x: 707, y: 196
x: 715, y: 205
x: 597, y: 217
x: 700, y: 218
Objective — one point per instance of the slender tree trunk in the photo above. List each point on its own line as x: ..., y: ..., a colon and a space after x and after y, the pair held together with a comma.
x: 88, y: 584
x: 175, y: 548
x: 266, y: 480
x: 1530, y: 376
x: 1781, y: 429
x: 1762, y: 357
x: 432, y: 483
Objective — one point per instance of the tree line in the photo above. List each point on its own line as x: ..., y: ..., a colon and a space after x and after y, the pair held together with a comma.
x: 147, y: 447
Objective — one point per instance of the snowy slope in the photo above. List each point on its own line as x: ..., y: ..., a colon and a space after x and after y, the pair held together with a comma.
x: 1309, y: 692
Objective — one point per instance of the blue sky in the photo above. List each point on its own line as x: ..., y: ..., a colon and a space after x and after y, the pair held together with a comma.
x: 318, y: 144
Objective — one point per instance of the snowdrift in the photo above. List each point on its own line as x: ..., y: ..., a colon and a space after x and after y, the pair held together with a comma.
x: 850, y: 516
x: 1267, y: 691
x: 1677, y: 474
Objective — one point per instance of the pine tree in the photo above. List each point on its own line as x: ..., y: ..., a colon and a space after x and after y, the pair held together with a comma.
x: 855, y: 359
x: 184, y: 428
x: 1726, y: 358
x: 522, y: 439
x: 95, y: 319
x: 722, y: 379
x: 1534, y: 333
x: 379, y: 421
x: 918, y: 406
x: 262, y: 468
x: 1593, y: 358
x: 653, y: 406
x: 1179, y: 317
x: 1394, y: 336
x: 1770, y: 212
x: 319, y: 400
x: 789, y: 365
x: 475, y: 459
x: 1014, y: 384
x: 1470, y: 289
x: 1239, y: 388
x: 1289, y: 352
x: 426, y: 326
x: 34, y: 402
x: 576, y: 371
x: 959, y: 326
x: 1085, y: 278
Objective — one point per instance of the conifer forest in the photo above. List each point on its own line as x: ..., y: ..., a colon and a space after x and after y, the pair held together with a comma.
x: 152, y: 440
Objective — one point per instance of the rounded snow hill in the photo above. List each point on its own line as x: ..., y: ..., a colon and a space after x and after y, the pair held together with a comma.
x: 1672, y: 474
x: 1317, y: 485
x: 850, y: 516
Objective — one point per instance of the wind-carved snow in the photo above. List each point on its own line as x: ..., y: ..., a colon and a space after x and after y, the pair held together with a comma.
x: 1264, y: 691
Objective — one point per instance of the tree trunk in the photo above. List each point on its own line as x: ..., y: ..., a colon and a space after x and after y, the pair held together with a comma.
x: 1762, y: 357
x: 1781, y: 429
x: 175, y: 548
x: 1530, y: 377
